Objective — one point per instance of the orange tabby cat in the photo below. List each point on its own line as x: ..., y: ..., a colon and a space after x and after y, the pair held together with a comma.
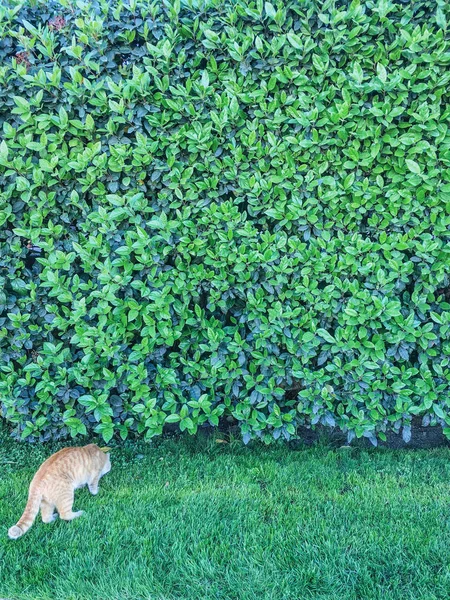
x: 54, y: 484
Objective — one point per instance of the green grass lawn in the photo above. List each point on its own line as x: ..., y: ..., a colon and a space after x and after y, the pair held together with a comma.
x: 186, y: 519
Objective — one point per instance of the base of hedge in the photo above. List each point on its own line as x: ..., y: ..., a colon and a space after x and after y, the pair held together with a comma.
x: 421, y: 437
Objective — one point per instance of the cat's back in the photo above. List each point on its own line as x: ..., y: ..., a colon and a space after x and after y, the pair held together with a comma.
x: 68, y: 464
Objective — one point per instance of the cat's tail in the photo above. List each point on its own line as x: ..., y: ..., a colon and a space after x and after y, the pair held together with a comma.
x: 28, y: 517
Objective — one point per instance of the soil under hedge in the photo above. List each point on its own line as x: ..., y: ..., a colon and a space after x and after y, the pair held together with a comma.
x: 421, y: 437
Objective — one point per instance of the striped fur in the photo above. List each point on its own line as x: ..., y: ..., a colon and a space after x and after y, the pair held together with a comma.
x: 55, y: 482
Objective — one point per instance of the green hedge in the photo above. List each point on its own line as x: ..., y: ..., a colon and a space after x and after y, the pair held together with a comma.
x: 217, y: 208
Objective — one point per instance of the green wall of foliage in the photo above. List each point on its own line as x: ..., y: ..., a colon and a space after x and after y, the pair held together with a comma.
x: 224, y: 207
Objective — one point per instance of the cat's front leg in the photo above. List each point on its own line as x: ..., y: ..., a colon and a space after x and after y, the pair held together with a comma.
x: 93, y: 486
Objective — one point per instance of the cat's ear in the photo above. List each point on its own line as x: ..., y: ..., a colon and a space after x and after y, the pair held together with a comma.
x: 105, y: 450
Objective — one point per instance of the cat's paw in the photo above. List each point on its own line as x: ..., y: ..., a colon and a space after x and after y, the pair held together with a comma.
x: 50, y: 519
x: 14, y: 532
x: 93, y: 490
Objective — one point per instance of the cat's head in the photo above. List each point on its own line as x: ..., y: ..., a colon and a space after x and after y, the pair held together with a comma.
x: 107, y: 466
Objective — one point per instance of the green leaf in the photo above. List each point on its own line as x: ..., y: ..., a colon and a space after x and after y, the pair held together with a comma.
x: 326, y: 336
x: 381, y: 72
x: 294, y: 40
x: 3, y: 151
x: 438, y: 411
x: 412, y: 166
x: 106, y: 430
x: 358, y: 73
x: 270, y: 10
x: 22, y: 103
x: 173, y: 418
x: 63, y: 117
x: 440, y: 18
